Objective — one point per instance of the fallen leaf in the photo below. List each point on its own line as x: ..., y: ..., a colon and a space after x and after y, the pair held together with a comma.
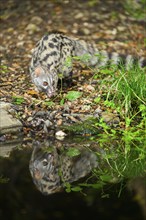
x: 32, y: 92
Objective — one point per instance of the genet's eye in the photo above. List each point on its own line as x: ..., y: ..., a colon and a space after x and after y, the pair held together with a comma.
x: 45, y: 83
x: 45, y: 163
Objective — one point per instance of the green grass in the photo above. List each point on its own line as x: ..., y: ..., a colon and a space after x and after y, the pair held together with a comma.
x: 136, y: 9
x: 128, y: 90
x: 123, y: 91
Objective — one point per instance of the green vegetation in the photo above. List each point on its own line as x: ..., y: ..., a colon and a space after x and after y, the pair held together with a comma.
x: 3, y: 68
x: 135, y: 8
x: 124, y: 146
x: 72, y: 152
x: 128, y: 90
x: 49, y: 103
x: 73, y: 95
x: 87, y: 127
x: 18, y: 100
x: 124, y: 93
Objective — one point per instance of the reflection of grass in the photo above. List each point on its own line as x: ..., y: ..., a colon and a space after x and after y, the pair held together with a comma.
x: 126, y: 163
x: 4, y: 179
x: 117, y: 161
x: 86, y: 127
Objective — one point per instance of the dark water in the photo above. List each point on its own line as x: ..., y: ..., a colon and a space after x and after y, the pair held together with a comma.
x: 21, y: 194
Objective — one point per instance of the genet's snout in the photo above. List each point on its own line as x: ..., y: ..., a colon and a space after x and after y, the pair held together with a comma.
x: 51, y: 94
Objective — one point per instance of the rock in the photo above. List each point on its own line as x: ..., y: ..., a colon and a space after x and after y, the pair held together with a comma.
x: 7, y: 146
x: 89, y: 88
x: 60, y: 135
x: 20, y: 44
x: 36, y: 20
x: 30, y: 119
x: 121, y: 28
x: 6, y: 150
x: 85, y: 107
x: 2, y: 48
x: 97, y: 112
x: 110, y: 118
x: 84, y: 117
x: 5, y: 105
x: 8, y: 124
x: 48, y: 123
x: 86, y: 31
x: 79, y: 15
x: 41, y: 114
x: 32, y: 28
x: 59, y: 122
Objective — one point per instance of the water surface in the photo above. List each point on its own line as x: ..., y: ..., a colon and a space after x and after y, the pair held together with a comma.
x: 71, y: 179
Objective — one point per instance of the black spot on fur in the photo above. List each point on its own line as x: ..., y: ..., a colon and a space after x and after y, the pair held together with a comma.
x: 54, y: 40
x: 143, y: 63
x: 46, y: 57
x: 46, y: 37
x: 54, y: 53
x: 51, y: 45
x: 49, y: 65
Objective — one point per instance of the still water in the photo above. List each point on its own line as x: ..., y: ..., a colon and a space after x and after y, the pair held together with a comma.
x: 71, y: 179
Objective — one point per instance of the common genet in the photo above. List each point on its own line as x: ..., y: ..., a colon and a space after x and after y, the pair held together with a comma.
x: 49, y: 59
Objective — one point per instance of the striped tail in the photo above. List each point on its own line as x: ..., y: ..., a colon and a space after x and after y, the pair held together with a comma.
x: 118, y: 60
x: 103, y: 58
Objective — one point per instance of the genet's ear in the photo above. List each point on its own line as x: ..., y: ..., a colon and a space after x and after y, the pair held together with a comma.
x: 38, y: 71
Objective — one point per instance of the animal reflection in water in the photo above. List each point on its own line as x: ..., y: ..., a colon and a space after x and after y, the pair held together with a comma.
x: 50, y: 168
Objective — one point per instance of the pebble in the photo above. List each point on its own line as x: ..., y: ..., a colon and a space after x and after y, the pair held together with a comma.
x: 2, y: 48
x: 48, y: 123
x: 20, y: 44
x: 79, y: 15
x: 41, y: 113
x: 60, y: 135
x: 110, y: 118
x: 32, y: 28
x: 36, y: 20
x: 86, y: 31
x: 86, y: 107
x: 30, y: 119
x: 8, y: 123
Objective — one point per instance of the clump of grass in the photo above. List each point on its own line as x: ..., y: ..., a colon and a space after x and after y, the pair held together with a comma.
x: 135, y: 8
x: 129, y: 90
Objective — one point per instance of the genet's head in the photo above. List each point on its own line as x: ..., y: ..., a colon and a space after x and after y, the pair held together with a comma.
x: 45, y: 80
